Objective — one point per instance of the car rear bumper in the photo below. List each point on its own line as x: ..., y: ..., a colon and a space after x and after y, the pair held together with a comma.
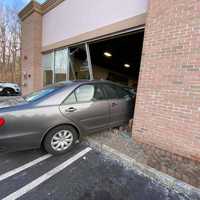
x: 19, y: 142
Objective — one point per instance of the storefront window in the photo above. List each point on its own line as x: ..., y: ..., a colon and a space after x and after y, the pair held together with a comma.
x: 67, y: 64
x: 48, y: 68
x: 61, y: 65
x: 80, y: 65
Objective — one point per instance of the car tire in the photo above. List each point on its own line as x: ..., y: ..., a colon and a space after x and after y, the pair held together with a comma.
x: 60, y: 140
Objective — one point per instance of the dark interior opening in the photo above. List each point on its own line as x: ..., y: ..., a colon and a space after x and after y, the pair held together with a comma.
x: 118, y: 59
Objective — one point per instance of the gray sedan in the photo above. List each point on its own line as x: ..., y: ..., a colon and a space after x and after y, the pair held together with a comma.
x: 57, y: 116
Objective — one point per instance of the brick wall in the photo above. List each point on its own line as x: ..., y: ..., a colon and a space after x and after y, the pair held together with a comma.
x: 168, y: 103
x: 31, y: 53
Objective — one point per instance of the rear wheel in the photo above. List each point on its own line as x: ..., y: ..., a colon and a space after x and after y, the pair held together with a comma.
x: 60, y: 139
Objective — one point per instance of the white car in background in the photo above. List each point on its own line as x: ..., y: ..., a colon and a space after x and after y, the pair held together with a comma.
x: 9, y: 89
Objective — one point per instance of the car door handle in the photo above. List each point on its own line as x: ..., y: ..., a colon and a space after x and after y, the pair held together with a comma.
x: 114, y: 104
x: 72, y: 109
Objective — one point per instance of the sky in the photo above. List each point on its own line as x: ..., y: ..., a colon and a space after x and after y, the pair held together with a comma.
x: 19, y: 4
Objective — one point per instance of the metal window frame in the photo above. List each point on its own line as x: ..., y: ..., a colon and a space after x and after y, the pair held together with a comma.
x: 68, y: 64
x: 54, y: 63
x: 111, y: 35
x: 89, y: 61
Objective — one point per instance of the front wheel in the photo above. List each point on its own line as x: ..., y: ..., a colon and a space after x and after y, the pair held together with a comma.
x: 60, y: 140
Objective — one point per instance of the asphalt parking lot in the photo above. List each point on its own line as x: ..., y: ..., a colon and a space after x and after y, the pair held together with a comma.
x: 82, y: 174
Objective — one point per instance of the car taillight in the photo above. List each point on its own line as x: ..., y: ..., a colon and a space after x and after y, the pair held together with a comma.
x: 2, y: 121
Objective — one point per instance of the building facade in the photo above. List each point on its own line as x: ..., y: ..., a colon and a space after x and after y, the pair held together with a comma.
x: 167, y: 110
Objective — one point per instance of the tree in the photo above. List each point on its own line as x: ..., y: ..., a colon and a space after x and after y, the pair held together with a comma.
x: 10, y: 42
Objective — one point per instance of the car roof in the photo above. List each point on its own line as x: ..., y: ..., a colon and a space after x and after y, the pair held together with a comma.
x: 79, y: 82
x: 60, y: 89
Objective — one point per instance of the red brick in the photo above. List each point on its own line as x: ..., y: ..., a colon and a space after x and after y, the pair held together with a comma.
x: 168, y: 101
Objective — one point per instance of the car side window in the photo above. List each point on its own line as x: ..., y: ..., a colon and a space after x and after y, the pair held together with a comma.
x: 123, y: 93
x: 111, y: 91
x: 71, y: 99
x: 99, y: 94
x: 85, y: 93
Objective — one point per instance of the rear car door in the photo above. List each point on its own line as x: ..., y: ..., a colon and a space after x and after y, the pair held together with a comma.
x: 120, y: 104
x: 87, y: 107
x: 127, y: 104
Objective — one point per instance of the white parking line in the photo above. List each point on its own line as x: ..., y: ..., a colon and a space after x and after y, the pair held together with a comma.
x: 23, y: 167
x: 46, y: 176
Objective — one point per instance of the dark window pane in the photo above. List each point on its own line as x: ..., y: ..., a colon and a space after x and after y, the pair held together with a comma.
x: 98, y: 94
x: 111, y: 91
x: 122, y: 93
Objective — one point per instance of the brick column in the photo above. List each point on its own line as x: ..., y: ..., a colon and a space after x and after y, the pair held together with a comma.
x: 167, y: 113
x: 31, y: 47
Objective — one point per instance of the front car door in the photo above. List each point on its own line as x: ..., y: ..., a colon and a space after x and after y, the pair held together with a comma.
x: 87, y: 107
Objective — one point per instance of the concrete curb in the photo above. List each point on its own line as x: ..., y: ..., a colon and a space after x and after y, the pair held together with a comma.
x: 168, y: 181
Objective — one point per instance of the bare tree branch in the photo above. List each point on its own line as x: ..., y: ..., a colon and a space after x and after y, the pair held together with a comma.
x: 10, y: 41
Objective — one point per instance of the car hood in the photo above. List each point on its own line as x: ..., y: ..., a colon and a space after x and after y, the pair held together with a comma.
x: 11, y: 101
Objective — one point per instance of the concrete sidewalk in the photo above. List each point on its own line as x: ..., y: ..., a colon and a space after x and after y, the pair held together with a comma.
x: 119, y: 145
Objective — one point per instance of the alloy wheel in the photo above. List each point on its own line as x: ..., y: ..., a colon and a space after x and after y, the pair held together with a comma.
x: 62, y: 140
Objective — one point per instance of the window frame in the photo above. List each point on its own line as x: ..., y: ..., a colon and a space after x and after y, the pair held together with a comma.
x: 67, y: 70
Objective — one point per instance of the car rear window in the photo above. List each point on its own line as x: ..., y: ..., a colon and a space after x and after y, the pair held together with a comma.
x: 39, y: 94
x: 34, y: 96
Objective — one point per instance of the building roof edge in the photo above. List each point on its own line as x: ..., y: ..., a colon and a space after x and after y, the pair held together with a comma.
x: 34, y: 6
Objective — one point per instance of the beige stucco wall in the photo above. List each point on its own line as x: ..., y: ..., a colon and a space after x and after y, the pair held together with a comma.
x: 75, y: 17
x: 71, y: 22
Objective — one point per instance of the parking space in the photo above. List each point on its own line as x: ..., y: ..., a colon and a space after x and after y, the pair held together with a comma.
x: 81, y: 174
